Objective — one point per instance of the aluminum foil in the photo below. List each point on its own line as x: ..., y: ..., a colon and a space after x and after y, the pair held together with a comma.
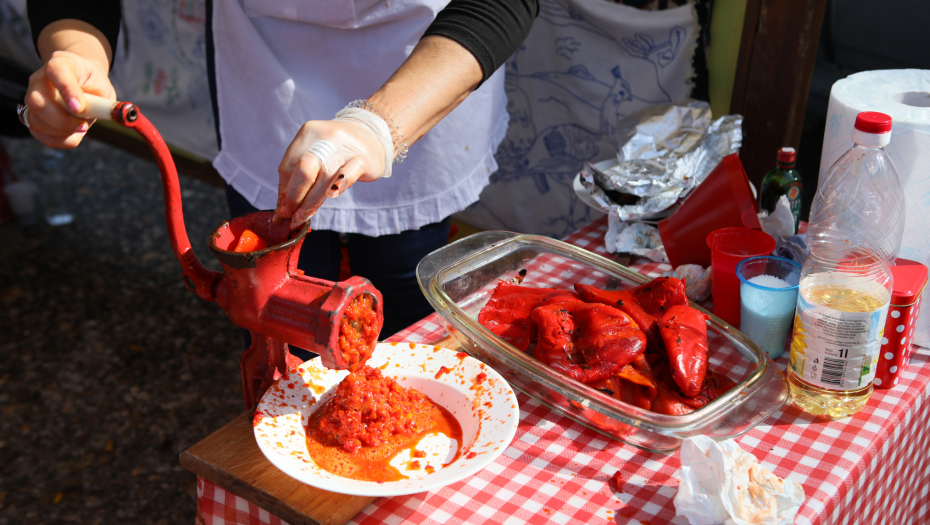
x: 664, y: 152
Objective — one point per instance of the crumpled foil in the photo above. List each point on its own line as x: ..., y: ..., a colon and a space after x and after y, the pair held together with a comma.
x: 664, y: 152
x: 635, y: 238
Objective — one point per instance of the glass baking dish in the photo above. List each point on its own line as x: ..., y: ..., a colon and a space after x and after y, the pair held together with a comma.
x: 459, y: 278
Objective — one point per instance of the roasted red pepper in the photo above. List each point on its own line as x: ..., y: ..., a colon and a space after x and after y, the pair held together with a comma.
x: 640, y: 372
x: 634, y: 384
x: 507, y: 312
x: 653, y: 297
x: 644, y: 303
x: 587, y: 342
x: 249, y: 241
x: 684, y: 332
x: 715, y: 385
x: 669, y: 402
x: 598, y: 337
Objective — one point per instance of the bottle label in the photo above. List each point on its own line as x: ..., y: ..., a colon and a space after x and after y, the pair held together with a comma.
x: 835, y: 349
x: 794, y: 191
x: 794, y: 200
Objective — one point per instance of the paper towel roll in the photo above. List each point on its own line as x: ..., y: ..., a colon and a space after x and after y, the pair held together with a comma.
x: 903, y: 94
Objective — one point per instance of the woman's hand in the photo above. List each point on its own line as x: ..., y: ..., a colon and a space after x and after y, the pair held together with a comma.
x: 327, y: 157
x: 435, y: 78
x: 77, y: 61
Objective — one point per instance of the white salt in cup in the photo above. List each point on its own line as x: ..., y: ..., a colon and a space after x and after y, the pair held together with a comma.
x: 768, y: 296
x: 22, y: 197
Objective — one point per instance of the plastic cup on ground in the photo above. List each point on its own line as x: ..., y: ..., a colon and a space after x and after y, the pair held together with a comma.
x: 56, y: 188
x: 58, y: 200
x: 729, y: 246
x: 768, y: 295
x: 22, y: 197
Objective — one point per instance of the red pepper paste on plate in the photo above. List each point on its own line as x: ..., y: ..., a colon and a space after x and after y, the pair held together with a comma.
x: 358, y: 332
x: 371, y: 419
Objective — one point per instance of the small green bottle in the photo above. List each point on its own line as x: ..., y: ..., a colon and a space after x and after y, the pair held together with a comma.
x: 783, y: 179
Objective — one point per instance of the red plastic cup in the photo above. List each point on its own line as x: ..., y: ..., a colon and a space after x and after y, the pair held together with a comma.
x: 729, y: 246
x: 723, y: 199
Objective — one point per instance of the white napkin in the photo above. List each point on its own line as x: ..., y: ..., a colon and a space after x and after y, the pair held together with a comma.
x: 723, y: 484
x: 780, y: 223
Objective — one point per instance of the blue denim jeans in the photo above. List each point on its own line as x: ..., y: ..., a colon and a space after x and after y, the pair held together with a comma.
x: 388, y: 261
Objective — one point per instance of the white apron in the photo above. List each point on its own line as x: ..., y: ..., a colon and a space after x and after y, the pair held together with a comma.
x: 282, y: 63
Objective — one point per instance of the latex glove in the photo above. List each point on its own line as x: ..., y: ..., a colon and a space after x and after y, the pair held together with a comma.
x: 63, y: 80
x: 360, y: 149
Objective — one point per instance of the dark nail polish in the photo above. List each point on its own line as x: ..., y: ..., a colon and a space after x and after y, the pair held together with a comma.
x: 342, y: 176
x: 335, y: 187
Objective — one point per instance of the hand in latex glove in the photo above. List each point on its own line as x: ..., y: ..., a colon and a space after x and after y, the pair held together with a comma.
x: 65, y: 77
x: 327, y: 157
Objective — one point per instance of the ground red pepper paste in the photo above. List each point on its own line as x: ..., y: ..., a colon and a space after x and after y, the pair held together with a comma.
x: 368, y: 421
x: 358, y: 332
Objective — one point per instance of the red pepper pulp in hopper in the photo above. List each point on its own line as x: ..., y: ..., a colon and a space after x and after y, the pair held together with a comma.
x: 249, y: 241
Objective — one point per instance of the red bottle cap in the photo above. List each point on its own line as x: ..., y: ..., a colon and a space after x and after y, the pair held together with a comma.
x: 873, y: 122
x: 786, y: 155
x: 909, y: 280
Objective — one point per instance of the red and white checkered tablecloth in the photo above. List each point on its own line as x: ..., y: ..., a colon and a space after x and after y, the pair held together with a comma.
x: 871, y: 468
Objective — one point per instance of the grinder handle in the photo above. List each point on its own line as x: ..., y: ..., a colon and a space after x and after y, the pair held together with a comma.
x: 95, y: 107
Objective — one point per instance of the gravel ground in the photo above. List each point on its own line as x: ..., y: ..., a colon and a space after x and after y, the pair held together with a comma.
x: 109, y: 367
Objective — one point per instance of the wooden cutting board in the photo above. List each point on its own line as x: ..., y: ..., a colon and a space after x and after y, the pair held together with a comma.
x: 230, y: 458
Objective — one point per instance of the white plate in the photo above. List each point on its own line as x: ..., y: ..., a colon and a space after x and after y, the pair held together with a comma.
x: 584, y: 195
x: 486, y: 410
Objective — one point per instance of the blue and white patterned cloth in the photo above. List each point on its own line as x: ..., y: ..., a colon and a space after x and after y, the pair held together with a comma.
x: 585, y: 65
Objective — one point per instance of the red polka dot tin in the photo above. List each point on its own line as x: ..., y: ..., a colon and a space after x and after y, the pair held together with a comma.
x: 909, y: 280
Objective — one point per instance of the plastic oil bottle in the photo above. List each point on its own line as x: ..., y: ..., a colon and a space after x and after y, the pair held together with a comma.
x: 856, y: 225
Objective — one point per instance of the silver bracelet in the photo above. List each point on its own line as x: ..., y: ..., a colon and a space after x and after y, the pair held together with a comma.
x: 396, y: 137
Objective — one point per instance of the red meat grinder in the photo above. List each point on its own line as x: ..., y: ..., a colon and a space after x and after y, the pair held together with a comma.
x: 261, y: 291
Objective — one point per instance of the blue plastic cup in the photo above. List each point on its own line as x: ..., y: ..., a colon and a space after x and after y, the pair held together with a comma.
x: 768, y: 296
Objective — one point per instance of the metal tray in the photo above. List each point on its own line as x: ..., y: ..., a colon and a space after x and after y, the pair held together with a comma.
x: 458, y: 280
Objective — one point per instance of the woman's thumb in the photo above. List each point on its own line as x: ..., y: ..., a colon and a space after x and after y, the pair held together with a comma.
x: 63, y: 73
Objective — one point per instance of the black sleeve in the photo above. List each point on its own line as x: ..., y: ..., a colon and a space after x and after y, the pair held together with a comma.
x: 105, y: 15
x: 491, y: 29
